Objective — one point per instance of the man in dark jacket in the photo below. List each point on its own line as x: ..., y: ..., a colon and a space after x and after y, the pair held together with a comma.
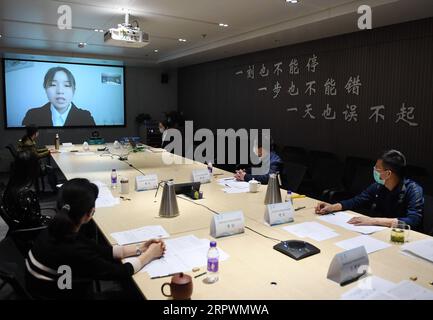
x: 391, y: 198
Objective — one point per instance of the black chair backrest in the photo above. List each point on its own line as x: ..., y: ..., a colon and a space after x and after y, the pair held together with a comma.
x: 12, y: 150
x: 292, y: 175
x: 326, y: 170
x: 12, y: 269
x: 358, y: 174
x: 428, y: 215
x: 295, y: 155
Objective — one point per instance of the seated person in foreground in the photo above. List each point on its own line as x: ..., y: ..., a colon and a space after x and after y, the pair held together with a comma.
x: 270, y: 159
x: 392, y: 198
x: 21, y: 202
x: 62, y: 244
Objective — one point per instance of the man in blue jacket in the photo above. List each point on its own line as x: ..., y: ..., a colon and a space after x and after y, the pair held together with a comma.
x: 392, y: 197
x: 267, y: 157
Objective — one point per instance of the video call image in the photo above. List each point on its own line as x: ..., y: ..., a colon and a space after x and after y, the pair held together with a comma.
x: 50, y: 94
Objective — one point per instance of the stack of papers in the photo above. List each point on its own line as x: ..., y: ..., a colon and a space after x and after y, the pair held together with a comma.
x: 375, y: 288
x: 409, y: 290
x: 341, y: 219
x: 370, y: 288
x: 422, y: 249
x: 233, y: 186
x: 182, y: 255
x: 370, y: 244
x: 105, y: 197
x: 140, y: 235
x: 312, y: 230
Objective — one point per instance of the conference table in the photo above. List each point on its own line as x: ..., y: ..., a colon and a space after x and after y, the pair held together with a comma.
x: 254, y: 270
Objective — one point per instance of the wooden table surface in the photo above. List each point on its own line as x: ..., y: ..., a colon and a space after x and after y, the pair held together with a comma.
x: 253, y: 264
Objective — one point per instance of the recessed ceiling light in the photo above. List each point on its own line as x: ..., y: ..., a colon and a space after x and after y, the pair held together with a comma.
x: 156, y: 50
x: 292, y: 1
x: 224, y: 25
x: 182, y: 40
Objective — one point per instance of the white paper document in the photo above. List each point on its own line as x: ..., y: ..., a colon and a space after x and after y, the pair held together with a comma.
x: 370, y: 244
x: 375, y: 288
x: 341, y: 219
x: 313, y: 230
x: 233, y: 186
x: 409, y: 290
x: 422, y: 249
x: 182, y: 255
x: 140, y: 235
x: 105, y: 197
x: 370, y: 288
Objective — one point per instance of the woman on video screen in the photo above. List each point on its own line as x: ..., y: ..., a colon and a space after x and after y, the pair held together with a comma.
x: 59, y: 84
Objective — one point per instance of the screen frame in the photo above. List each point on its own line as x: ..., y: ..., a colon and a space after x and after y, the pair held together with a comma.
x: 6, y: 127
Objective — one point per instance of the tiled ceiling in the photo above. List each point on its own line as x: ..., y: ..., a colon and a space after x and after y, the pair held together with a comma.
x: 30, y: 26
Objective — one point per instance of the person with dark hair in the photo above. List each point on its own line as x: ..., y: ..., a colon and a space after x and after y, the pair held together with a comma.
x: 28, y: 143
x: 269, y: 159
x: 62, y: 244
x: 20, y: 201
x: 59, y: 84
x: 391, y: 198
x: 163, y: 127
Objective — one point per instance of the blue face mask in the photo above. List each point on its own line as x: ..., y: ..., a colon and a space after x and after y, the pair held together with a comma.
x: 377, y: 178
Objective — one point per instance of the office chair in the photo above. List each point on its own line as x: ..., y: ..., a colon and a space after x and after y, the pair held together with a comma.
x: 428, y: 215
x: 292, y: 175
x: 12, y: 271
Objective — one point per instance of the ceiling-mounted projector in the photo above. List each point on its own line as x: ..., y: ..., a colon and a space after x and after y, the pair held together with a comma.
x: 125, y: 35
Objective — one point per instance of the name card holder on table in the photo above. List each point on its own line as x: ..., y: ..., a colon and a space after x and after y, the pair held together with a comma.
x: 201, y: 175
x: 279, y: 213
x: 227, y: 224
x: 348, y: 266
x: 146, y: 182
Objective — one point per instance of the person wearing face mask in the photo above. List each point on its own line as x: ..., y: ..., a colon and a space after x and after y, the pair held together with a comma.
x: 163, y: 127
x: 391, y: 198
x: 59, y: 84
x: 270, y: 157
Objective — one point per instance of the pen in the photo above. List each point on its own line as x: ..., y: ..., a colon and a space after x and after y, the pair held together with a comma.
x: 298, y: 196
x: 201, y: 274
x: 300, y: 208
x: 167, y: 275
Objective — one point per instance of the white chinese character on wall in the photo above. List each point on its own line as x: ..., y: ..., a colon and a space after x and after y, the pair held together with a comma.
x: 330, y: 87
x: 277, y: 89
x: 328, y: 114
x: 277, y: 68
x: 312, y: 63
x: 308, y: 113
x: 294, y: 67
x: 351, y: 113
x: 264, y: 72
x: 293, y: 91
x: 250, y: 72
x: 376, y: 114
x: 406, y: 115
x: 353, y: 85
x: 310, y: 88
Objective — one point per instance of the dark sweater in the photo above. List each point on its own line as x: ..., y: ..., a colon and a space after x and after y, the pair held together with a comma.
x: 88, y: 261
x: 405, y: 202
